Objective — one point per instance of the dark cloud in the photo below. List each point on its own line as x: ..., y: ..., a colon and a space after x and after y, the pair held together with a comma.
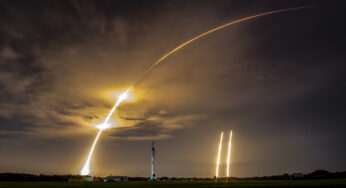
x: 156, y: 127
x: 11, y: 125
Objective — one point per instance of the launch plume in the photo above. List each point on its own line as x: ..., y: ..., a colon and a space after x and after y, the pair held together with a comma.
x: 86, y: 167
x: 229, y: 153
x: 218, y: 157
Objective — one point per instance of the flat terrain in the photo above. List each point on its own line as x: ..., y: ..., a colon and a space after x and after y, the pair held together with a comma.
x: 232, y: 183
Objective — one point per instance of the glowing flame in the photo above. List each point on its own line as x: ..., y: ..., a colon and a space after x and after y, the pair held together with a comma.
x: 229, y: 153
x: 86, y: 167
x: 218, y: 157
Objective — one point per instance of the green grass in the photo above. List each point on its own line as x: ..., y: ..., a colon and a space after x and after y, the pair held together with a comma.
x: 171, y: 184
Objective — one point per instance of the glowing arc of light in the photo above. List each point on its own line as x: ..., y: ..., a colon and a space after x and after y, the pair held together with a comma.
x: 121, y: 98
x: 211, y: 31
x: 218, y: 157
x: 86, y: 167
x: 83, y: 172
x: 229, y: 153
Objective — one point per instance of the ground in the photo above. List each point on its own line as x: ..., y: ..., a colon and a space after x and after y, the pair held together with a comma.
x: 233, y: 183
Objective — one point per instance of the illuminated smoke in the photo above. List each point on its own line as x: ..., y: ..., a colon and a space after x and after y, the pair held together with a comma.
x: 218, y: 157
x: 86, y: 168
x: 229, y: 153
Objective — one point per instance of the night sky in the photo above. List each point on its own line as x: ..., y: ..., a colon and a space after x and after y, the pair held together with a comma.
x: 278, y: 81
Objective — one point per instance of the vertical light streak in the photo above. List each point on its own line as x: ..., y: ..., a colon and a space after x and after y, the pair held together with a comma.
x: 218, y: 157
x: 229, y: 153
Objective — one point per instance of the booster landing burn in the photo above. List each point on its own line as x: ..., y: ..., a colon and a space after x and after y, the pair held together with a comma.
x: 218, y: 157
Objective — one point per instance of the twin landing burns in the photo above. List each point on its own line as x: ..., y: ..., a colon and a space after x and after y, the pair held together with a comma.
x: 228, y: 155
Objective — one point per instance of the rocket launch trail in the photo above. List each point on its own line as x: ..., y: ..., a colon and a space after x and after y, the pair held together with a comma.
x: 86, y: 168
x: 212, y: 31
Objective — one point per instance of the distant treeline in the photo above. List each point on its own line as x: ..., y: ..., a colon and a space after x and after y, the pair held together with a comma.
x: 319, y: 174
x: 32, y: 177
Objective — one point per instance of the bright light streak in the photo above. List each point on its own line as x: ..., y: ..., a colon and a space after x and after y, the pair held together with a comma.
x: 229, y: 153
x: 120, y: 99
x: 104, y: 126
x: 218, y: 156
x: 212, y: 31
x: 86, y: 167
x: 125, y: 94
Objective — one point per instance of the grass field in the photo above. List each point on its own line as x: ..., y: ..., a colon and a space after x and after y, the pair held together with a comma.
x: 233, y: 183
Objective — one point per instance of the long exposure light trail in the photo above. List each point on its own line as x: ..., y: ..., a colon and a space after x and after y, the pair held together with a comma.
x: 218, y: 157
x: 212, y: 31
x: 229, y: 153
x: 86, y: 168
